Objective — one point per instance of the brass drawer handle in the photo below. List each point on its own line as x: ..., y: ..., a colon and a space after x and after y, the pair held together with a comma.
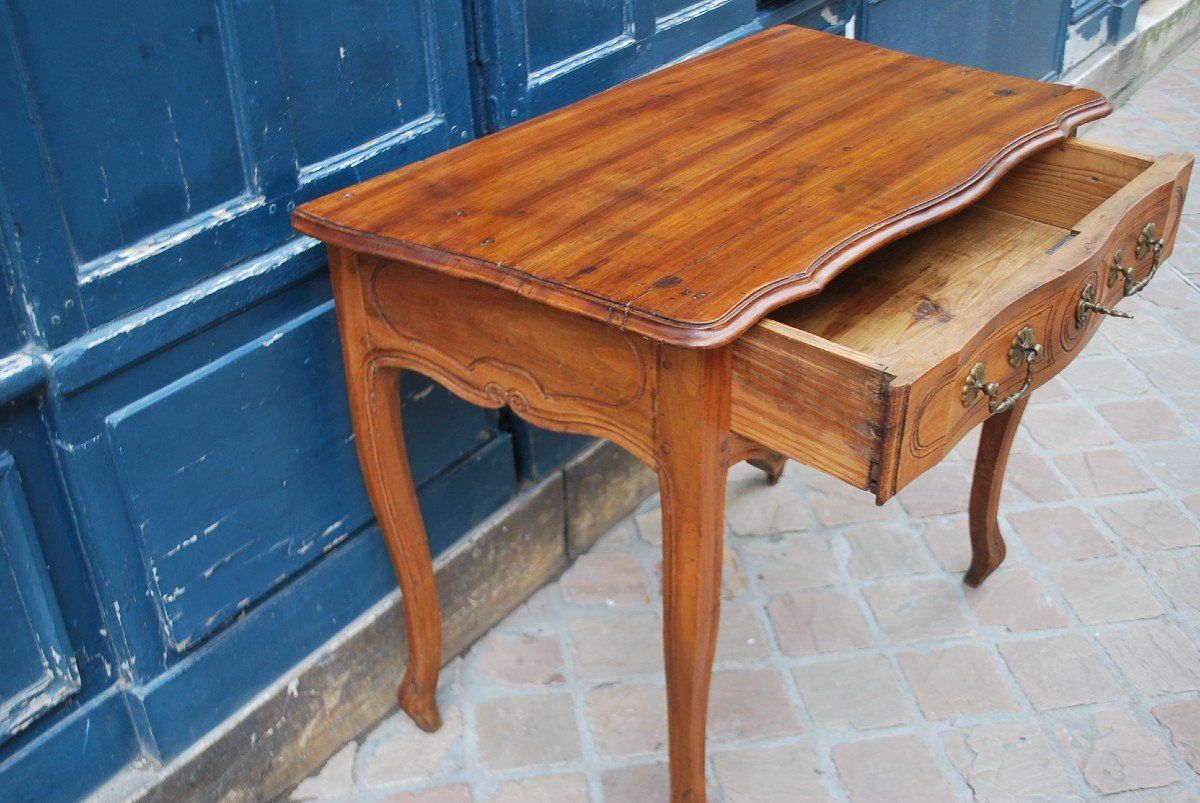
x: 1147, y: 242
x: 1024, y: 350
x: 1087, y: 305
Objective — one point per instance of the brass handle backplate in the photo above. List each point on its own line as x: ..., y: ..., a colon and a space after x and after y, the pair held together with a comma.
x: 1024, y: 350
x: 1087, y: 305
x: 1148, y: 242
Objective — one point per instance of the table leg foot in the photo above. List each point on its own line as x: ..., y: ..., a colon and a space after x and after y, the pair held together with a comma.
x: 772, y: 466
x: 987, y: 544
x: 420, y: 703
x: 985, y: 558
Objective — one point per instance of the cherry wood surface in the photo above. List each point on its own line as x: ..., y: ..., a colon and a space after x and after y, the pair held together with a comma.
x: 688, y: 203
x: 606, y: 270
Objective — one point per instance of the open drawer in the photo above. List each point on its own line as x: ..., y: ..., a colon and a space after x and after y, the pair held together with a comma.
x: 874, y: 379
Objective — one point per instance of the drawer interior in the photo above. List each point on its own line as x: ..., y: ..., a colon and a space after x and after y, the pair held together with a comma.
x: 915, y: 301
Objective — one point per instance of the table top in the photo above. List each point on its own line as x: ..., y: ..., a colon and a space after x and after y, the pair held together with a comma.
x: 687, y: 204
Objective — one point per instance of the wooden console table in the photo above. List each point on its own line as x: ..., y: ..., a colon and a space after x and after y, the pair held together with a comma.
x: 796, y: 246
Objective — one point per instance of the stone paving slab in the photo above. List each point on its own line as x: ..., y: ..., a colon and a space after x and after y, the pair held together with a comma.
x: 853, y: 665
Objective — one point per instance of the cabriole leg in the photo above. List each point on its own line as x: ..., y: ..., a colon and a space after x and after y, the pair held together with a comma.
x: 375, y: 409
x: 987, y: 545
x: 692, y: 426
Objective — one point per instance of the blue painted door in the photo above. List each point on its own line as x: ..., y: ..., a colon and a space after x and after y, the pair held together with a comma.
x: 178, y: 479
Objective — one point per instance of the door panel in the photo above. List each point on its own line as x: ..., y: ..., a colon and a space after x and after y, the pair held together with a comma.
x: 217, y: 471
x: 558, y: 35
x: 148, y: 150
x: 352, y: 73
x: 37, y: 664
x: 538, y: 55
x: 146, y: 137
x: 239, y: 474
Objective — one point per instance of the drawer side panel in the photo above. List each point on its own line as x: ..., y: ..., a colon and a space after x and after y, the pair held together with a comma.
x: 811, y: 400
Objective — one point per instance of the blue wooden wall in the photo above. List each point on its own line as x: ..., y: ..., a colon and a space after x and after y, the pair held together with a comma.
x: 181, y: 513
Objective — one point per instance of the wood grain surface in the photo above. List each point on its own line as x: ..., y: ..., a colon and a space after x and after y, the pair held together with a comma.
x: 685, y: 205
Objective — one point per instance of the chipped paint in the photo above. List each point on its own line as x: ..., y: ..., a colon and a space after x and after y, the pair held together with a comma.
x: 21, y: 372
x: 368, y: 150
x: 334, y: 527
x: 1086, y: 37
x: 72, y: 448
x: 208, y: 573
x: 332, y: 544
x: 166, y: 239
x: 182, y: 545
x: 212, y: 528
x: 192, y: 464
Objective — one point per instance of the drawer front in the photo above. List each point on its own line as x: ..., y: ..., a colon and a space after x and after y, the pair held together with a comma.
x: 941, y: 411
x: 941, y: 406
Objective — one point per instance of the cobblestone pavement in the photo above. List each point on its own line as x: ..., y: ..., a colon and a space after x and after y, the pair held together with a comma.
x: 853, y: 664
